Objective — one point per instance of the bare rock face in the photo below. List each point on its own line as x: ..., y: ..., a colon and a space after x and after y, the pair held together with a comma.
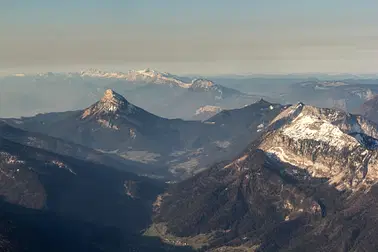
x: 327, y: 143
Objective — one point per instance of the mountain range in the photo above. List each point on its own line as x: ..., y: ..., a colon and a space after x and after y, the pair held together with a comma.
x: 347, y: 95
x: 307, y: 184
x: 173, y: 96
x: 179, y: 97
x: 115, y: 126
x: 164, y: 94
x: 114, y: 176
x: 144, y: 76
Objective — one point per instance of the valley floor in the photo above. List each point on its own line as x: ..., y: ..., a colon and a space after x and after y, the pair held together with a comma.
x: 160, y: 230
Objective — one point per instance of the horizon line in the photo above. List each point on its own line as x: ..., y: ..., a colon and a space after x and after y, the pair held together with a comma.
x: 247, y: 74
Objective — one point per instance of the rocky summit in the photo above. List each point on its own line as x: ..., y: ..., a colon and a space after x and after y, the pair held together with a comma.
x: 111, y: 102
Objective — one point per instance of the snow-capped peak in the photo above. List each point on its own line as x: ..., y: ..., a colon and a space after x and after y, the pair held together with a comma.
x: 347, y: 123
x: 111, y: 96
x: 111, y: 102
x: 326, y: 143
x: 153, y: 76
x: 149, y: 71
x: 145, y: 75
x: 95, y: 73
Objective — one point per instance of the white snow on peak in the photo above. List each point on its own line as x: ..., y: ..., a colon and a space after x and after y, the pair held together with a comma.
x: 150, y: 76
x: 156, y: 77
x: 313, y: 128
x: 92, y: 72
x: 111, y: 102
x: 147, y: 75
x: 150, y: 72
x: 332, y: 126
x: 144, y: 75
x: 110, y: 95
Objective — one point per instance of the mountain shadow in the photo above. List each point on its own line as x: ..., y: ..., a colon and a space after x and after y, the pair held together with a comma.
x: 30, y: 230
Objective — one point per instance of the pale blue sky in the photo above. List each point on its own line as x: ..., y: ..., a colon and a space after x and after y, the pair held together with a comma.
x: 196, y: 36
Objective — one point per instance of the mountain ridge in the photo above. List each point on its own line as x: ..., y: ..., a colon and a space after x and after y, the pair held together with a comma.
x: 113, y: 125
x: 305, y: 174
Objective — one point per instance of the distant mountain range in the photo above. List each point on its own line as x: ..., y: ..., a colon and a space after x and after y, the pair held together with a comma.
x: 177, y: 97
x: 347, y: 95
x: 173, y: 96
x: 145, y: 76
x: 262, y: 177
x: 164, y: 94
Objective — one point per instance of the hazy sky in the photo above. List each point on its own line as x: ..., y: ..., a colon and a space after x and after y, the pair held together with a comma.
x: 190, y: 36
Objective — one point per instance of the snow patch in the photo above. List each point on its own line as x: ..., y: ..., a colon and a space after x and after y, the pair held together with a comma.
x: 312, y: 128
